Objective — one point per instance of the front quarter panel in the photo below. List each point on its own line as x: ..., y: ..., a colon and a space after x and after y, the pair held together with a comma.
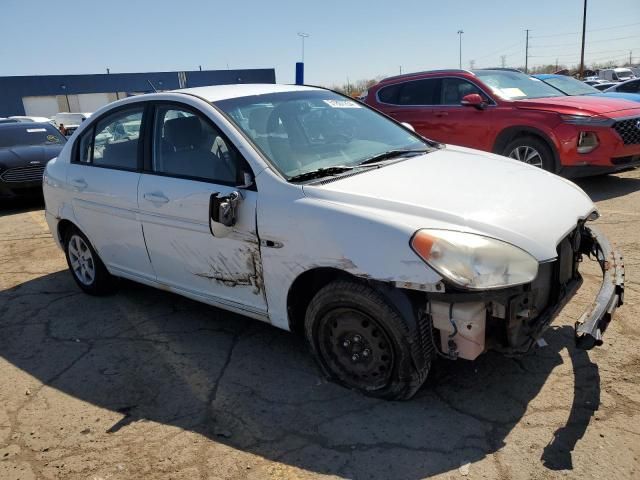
x: 308, y: 233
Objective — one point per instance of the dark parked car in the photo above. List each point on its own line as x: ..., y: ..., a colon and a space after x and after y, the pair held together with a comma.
x: 25, y: 149
x: 630, y: 86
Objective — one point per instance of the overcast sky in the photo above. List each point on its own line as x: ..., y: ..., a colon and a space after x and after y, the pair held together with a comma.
x: 348, y: 39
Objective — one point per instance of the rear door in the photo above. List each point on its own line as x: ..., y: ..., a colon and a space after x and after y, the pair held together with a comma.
x: 191, y: 160
x: 103, y: 177
x: 411, y: 102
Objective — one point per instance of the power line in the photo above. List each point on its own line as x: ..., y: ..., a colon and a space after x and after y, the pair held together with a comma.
x: 590, y: 41
x: 591, y: 30
x: 501, y: 50
x: 573, y: 54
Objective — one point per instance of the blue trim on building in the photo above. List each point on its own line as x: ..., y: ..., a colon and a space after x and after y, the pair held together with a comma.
x: 12, y: 89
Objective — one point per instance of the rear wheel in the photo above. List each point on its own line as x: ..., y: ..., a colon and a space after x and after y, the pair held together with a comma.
x: 86, y: 267
x: 531, y: 150
x: 360, y: 341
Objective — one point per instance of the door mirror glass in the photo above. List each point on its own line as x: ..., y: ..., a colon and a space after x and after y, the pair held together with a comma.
x: 473, y: 100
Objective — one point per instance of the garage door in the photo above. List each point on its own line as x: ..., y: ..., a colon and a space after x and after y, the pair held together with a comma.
x: 90, y: 102
x: 46, y: 106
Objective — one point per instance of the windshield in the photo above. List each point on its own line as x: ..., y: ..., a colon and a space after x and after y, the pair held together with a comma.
x: 307, y: 130
x: 29, y: 134
x: 570, y: 86
x: 516, y: 85
x: 624, y: 74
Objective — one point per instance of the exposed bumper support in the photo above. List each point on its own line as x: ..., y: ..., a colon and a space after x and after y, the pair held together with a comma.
x: 594, y: 321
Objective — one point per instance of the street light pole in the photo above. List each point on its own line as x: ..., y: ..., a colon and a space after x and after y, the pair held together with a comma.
x: 460, y: 32
x: 302, y: 36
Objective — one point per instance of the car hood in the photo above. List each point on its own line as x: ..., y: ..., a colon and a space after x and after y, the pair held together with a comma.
x: 634, y: 97
x: 466, y: 190
x: 581, y: 105
x: 28, y: 155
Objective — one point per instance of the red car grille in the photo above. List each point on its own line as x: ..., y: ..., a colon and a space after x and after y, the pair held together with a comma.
x: 629, y: 130
x: 30, y: 173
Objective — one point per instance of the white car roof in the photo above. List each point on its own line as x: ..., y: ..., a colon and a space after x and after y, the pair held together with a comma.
x: 223, y: 92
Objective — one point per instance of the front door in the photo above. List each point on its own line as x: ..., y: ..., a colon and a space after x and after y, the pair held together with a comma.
x: 191, y: 160
x: 457, y: 124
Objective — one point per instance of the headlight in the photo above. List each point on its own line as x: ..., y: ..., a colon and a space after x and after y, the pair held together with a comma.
x: 588, y: 120
x: 473, y: 261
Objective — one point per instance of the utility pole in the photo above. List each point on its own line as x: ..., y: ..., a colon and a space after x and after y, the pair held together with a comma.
x: 584, y: 27
x: 108, y: 71
x: 460, y: 32
x: 200, y: 67
x: 630, y: 57
x: 503, y: 60
x: 400, y: 69
x: 526, y: 53
x: 556, y: 64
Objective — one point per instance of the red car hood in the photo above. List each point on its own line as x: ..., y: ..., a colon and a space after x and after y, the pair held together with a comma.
x: 582, y: 105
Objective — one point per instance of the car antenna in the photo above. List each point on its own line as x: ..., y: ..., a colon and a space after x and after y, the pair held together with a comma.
x: 154, y: 88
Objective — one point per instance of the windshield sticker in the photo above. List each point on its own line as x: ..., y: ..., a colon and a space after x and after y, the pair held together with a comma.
x: 35, y: 130
x: 342, y: 104
x: 52, y: 139
x: 512, y: 92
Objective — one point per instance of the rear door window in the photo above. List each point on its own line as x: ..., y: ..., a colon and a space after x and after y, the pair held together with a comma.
x: 417, y: 92
x: 117, y: 139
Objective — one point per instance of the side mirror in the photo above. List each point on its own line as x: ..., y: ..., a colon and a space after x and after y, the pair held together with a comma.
x: 223, y: 213
x: 473, y: 100
x: 408, y: 125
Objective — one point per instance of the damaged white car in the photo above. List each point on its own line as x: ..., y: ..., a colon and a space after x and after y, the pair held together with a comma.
x: 305, y: 209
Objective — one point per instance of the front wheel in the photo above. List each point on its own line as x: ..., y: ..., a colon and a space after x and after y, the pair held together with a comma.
x: 86, y: 267
x: 531, y: 150
x: 361, y: 342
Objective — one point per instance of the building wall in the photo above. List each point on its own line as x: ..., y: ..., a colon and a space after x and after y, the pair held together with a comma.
x: 70, y: 92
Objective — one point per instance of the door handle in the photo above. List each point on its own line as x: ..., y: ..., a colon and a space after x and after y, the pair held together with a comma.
x: 157, y: 197
x: 79, y: 183
x: 441, y: 114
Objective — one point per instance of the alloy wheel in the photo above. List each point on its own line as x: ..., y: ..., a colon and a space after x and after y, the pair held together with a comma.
x: 527, y: 154
x: 81, y: 259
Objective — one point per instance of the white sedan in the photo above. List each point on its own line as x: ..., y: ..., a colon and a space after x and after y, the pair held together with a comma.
x: 305, y: 209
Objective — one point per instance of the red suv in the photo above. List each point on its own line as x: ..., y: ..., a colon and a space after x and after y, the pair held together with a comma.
x: 507, y: 112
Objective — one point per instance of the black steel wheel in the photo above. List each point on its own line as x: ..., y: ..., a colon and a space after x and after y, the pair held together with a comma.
x: 356, y: 345
x: 362, y: 342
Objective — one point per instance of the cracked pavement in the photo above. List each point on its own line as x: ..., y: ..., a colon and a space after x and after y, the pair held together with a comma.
x: 146, y: 384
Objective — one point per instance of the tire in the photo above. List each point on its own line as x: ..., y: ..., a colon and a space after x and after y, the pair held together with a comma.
x: 344, y: 320
x: 85, y: 265
x: 523, y: 147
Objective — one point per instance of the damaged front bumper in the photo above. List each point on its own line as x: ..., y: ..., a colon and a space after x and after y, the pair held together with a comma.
x: 594, y: 321
x: 512, y: 320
